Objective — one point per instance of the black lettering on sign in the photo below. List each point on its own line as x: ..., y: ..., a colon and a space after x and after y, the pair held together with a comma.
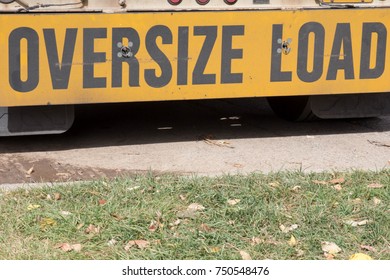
x: 342, y: 47
x: 182, y: 56
x: 158, y: 56
x: 60, y: 71
x: 368, y: 30
x: 90, y: 57
x: 228, y: 54
x: 15, y: 75
x: 277, y: 75
x: 118, y: 34
x: 318, y: 32
x: 198, y: 76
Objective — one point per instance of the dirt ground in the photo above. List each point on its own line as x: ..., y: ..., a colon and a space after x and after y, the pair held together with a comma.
x: 192, y: 137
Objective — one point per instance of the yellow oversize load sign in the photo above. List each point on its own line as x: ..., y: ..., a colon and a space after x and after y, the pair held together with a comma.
x: 94, y: 58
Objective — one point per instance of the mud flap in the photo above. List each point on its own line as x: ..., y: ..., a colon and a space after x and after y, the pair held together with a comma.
x: 15, y: 121
x: 350, y: 105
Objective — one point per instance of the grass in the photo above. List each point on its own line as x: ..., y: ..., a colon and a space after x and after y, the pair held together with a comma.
x: 33, y: 223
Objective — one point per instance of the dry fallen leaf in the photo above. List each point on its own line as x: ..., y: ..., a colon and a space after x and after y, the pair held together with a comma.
x: 285, y: 229
x: 112, y: 242
x: 330, y: 247
x: 140, y: 244
x: 182, y: 197
x: 215, y: 249
x: 153, y: 226
x: 30, y: 171
x: 296, y: 188
x: 233, y: 201
x: 368, y: 248
x: 293, y: 241
x: 319, y: 182
x: 33, y: 206
x: 376, y: 201
x: 92, y: 229
x: 245, y: 256
x: 205, y: 228
x: 256, y: 241
x: 337, y: 187
x: 45, y: 223
x: 57, y: 196
x: 274, y: 184
x: 357, y: 201
x: 329, y: 256
x: 191, y: 211
x: 77, y: 247
x: 195, y: 207
x: 375, y: 186
x: 360, y: 256
x: 337, y: 181
x: 133, y: 188
x: 357, y: 223
x: 102, y: 201
x: 66, y: 247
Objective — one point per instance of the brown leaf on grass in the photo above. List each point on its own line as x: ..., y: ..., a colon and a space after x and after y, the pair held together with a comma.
x: 215, y: 249
x: 102, y: 201
x: 330, y: 247
x: 79, y: 226
x: 274, y: 184
x: 357, y: 223
x: 329, y: 256
x: 65, y: 213
x: 286, y: 229
x: 33, y: 207
x: 376, y: 201
x: 66, y: 247
x: 245, y: 256
x: 337, y: 187
x: 293, y: 241
x: 205, y: 228
x: 375, y: 186
x: 182, y: 197
x: 233, y: 202
x: 140, y: 244
x: 92, y: 229
x: 357, y: 201
x: 337, y: 181
x: 296, y: 188
x: 77, y: 247
x: 368, y: 248
x: 117, y: 216
x: 191, y: 211
x: 256, y: 241
x: 153, y: 226
x: 112, y: 242
x: 57, y: 196
x: 319, y: 182
x: 195, y: 207
x: 360, y: 256
x: 46, y: 223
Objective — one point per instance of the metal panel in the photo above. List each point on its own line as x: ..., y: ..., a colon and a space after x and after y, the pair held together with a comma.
x: 191, y: 55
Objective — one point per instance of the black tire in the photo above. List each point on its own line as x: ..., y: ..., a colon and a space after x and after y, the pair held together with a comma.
x: 292, y: 108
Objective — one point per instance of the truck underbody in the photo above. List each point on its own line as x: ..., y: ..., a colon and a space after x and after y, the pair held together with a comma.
x: 325, y: 59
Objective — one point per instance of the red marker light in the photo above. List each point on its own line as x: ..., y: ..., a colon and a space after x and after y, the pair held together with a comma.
x: 174, y: 2
x: 202, y: 2
x: 230, y: 2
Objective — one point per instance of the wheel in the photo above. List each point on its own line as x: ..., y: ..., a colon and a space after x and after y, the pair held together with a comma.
x: 292, y: 108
